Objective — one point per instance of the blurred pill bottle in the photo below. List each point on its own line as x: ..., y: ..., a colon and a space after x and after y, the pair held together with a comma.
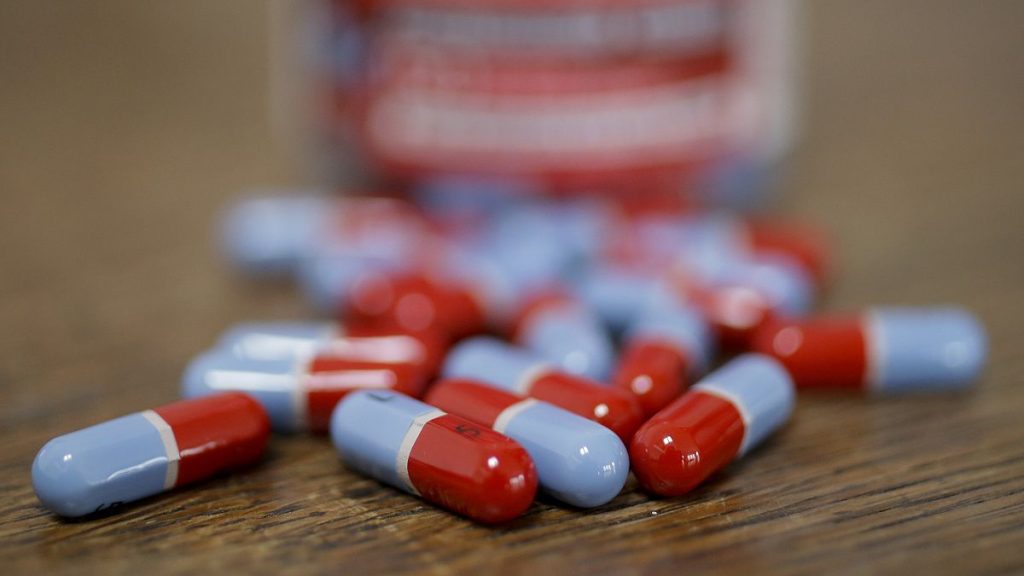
x: 546, y: 96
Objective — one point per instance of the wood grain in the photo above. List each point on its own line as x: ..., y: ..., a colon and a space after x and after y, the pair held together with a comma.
x: 126, y: 127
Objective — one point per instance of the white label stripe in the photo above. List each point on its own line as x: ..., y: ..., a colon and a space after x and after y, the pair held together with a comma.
x: 530, y: 376
x: 508, y: 414
x: 170, y: 447
x: 405, y: 448
x: 712, y: 389
x: 874, y: 349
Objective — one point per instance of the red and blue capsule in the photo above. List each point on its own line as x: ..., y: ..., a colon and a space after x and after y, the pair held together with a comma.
x: 446, y: 460
x: 146, y: 453
x: 721, y: 418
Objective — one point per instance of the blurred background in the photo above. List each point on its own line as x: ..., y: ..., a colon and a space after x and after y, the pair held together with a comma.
x: 127, y: 127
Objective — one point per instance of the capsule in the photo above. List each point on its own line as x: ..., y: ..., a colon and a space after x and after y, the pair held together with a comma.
x: 146, y: 453
x: 298, y: 394
x: 887, y: 350
x: 288, y: 340
x: 568, y: 334
x: 578, y: 461
x: 416, y: 302
x: 447, y: 460
x: 662, y: 350
x: 522, y: 372
x: 720, y: 418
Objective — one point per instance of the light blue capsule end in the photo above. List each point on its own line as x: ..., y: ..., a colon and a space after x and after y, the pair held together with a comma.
x: 272, y: 383
x: 327, y: 277
x: 578, y: 461
x: 760, y: 388
x: 490, y: 361
x: 367, y: 429
x: 271, y: 235
x: 925, y: 349
x: 573, y: 339
x: 617, y: 296
x: 275, y: 340
x: 100, y: 467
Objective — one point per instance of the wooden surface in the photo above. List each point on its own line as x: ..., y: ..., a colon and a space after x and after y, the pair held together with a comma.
x: 125, y: 126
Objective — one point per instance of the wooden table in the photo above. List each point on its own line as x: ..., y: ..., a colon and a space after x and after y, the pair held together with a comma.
x: 125, y: 127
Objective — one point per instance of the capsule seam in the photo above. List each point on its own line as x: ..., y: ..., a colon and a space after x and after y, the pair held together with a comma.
x: 170, y: 446
x: 530, y: 376
x: 405, y: 448
x: 715, y: 390
x: 874, y: 352
x: 503, y: 420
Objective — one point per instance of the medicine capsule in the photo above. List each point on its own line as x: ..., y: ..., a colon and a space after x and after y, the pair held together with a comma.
x: 445, y: 459
x: 888, y: 350
x: 578, y: 461
x: 415, y: 302
x: 720, y: 418
x: 522, y: 372
x: 142, y: 454
x: 662, y: 350
x: 288, y: 340
x: 298, y: 394
x: 568, y: 334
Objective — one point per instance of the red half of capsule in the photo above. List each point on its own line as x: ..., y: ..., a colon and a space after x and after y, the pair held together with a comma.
x: 735, y: 313
x: 414, y: 302
x: 824, y: 352
x: 477, y: 402
x: 685, y: 443
x: 329, y: 379
x: 612, y: 407
x: 216, y: 433
x: 374, y: 343
x: 806, y: 245
x: 472, y: 470
x: 654, y: 372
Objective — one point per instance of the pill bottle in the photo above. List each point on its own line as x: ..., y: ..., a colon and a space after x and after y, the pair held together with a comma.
x: 539, y: 96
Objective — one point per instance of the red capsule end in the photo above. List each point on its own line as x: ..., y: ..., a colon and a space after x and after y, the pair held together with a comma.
x: 614, y: 408
x: 472, y: 470
x: 471, y: 400
x: 415, y: 303
x: 329, y: 379
x: 654, y: 372
x: 685, y: 443
x: 735, y: 313
x: 216, y: 433
x: 825, y: 352
x: 806, y: 245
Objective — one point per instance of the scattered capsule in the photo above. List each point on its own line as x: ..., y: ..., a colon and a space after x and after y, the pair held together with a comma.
x: 567, y: 333
x: 578, y: 461
x: 888, y: 350
x: 288, y: 340
x: 522, y: 372
x: 142, y: 454
x: 447, y: 460
x: 299, y: 393
x: 416, y: 302
x: 661, y: 351
x: 720, y: 418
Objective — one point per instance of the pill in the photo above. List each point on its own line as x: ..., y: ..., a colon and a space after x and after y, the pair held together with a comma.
x: 522, y: 372
x: 297, y: 393
x: 662, y: 349
x: 722, y: 417
x: 886, y: 350
x: 414, y: 301
x: 288, y: 340
x: 578, y: 461
x: 562, y: 330
x: 447, y: 460
x: 142, y: 454
x: 272, y: 234
x: 615, y: 293
x: 805, y: 244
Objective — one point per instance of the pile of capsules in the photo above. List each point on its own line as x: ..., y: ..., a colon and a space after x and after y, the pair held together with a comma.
x: 480, y: 349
